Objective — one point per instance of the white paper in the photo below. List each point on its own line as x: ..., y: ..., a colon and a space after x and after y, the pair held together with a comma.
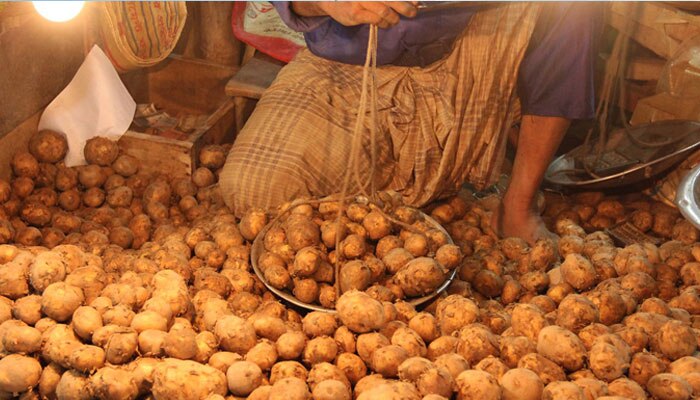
x: 95, y: 103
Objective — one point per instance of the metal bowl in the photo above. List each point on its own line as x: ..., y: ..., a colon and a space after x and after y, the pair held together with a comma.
x: 258, y: 248
x: 688, y: 196
x: 651, y: 162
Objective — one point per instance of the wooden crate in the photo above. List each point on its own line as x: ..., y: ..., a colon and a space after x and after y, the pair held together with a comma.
x: 180, y: 86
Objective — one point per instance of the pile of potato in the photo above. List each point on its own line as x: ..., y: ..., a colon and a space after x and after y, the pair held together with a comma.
x: 177, y: 313
x: 391, y: 255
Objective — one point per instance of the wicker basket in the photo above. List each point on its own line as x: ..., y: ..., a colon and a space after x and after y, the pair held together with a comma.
x: 140, y: 34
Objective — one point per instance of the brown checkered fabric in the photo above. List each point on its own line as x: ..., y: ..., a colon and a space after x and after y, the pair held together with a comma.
x: 439, y: 126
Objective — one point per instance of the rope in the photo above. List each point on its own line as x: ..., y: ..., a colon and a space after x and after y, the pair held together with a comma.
x: 369, y: 83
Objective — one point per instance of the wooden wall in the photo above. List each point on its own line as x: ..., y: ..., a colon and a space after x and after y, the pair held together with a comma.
x: 37, y: 60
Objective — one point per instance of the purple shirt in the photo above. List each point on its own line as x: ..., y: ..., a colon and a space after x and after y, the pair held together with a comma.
x: 555, y: 77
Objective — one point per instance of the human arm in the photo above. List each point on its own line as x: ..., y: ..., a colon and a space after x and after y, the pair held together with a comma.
x: 381, y: 13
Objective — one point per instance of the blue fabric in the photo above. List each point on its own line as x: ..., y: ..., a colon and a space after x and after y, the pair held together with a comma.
x: 556, y: 77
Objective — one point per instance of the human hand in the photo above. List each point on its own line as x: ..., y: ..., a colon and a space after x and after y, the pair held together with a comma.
x: 384, y: 14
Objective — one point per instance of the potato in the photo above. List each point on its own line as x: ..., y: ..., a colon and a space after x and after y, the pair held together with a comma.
x: 561, y: 346
x: 521, y: 384
x: 390, y: 390
x: 48, y: 146
x: 212, y: 156
x: 151, y: 342
x: 73, y: 385
x: 513, y: 348
x: 528, y: 320
x: 352, y: 247
x: 330, y: 390
x: 570, y: 244
x: 25, y: 165
x: 416, y: 244
x: 610, y: 304
x: 243, y: 377
x: 476, y: 343
x: 87, y: 358
x: 50, y: 377
x: 306, y: 262
x: 359, y: 312
x: 289, y: 389
x: 674, y: 340
x: 425, y: 325
x: 435, y: 381
x: 100, y: 151
x: 120, y: 346
x: 287, y: 369
x: 180, y: 379
x: 562, y: 390
x: 396, y: 259
x: 235, y: 334
x: 317, y: 323
x: 352, y: 366
x: 13, y: 279
x: 420, y: 276
x: 263, y: 354
x: 666, y: 386
x: 644, y: 366
x: 26, y: 309
x: 547, y: 370
x: 306, y: 290
x: 21, y: 339
x: 322, y: 372
x: 454, y: 312
x: 354, y: 275
x: 252, y: 222
x: 607, y: 362
x: 290, y: 345
x: 684, y: 366
x: 125, y: 165
x: 475, y: 384
x: 493, y: 366
x: 410, y: 341
x: 91, y: 176
x: 303, y: 233
x: 181, y: 343
x: 19, y: 373
x: 578, y: 272
x: 60, y: 300
x: 575, y: 312
x: 320, y: 349
x: 386, y: 360
x: 330, y: 232
x: 449, y: 256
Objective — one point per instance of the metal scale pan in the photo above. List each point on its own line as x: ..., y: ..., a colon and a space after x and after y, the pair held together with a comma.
x: 258, y: 249
x: 623, y: 161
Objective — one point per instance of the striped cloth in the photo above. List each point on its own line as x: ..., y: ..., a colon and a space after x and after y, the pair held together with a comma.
x: 138, y: 34
x: 439, y: 126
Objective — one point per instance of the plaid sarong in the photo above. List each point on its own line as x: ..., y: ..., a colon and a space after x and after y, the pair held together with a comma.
x: 439, y: 126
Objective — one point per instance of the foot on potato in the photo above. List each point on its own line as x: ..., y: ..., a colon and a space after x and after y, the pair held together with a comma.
x: 527, y: 225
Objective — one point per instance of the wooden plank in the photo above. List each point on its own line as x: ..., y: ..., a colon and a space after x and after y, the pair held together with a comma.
x: 642, y: 68
x: 657, y: 26
x: 650, y: 38
x: 180, y: 84
x: 159, y: 155
x: 663, y: 106
x: 645, y: 68
x: 254, y: 77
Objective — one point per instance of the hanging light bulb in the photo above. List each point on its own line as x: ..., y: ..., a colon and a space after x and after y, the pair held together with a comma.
x: 58, y: 11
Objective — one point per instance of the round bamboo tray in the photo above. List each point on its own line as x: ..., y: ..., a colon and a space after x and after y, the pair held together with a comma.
x: 258, y: 248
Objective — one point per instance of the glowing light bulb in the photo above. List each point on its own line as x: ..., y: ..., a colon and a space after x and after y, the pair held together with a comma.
x: 58, y: 11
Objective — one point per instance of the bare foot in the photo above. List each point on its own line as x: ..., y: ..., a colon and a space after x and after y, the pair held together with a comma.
x: 527, y: 225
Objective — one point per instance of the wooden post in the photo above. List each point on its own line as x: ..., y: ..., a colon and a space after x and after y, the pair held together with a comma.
x: 216, y: 35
